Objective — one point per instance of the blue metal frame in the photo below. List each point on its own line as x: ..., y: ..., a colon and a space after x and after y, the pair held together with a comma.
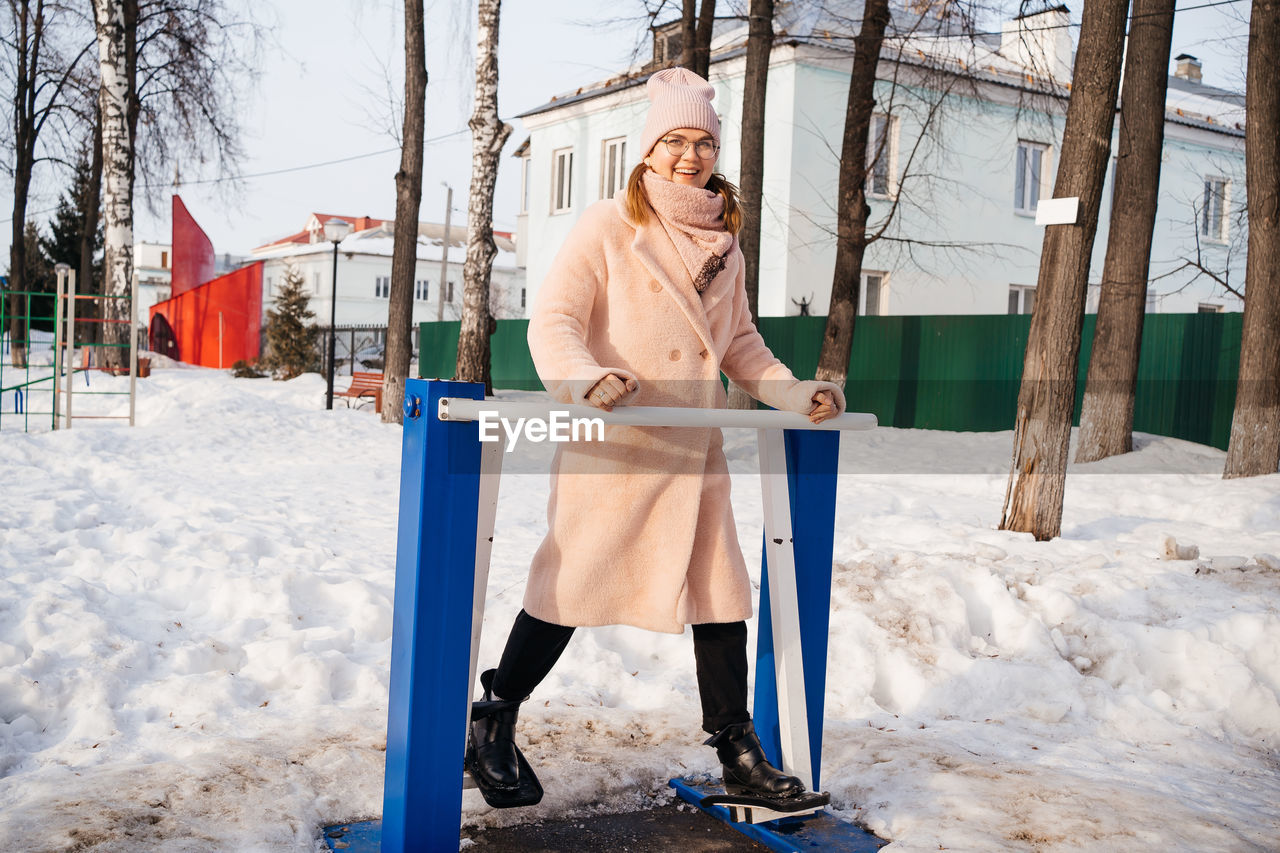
x: 812, y: 462
x: 431, y: 632
x: 431, y: 636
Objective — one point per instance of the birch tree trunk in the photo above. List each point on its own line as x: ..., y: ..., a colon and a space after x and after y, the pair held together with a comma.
x: 488, y: 134
x: 1106, y: 415
x: 751, y: 179
x: 1042, y: 433
x: 404, y: 252
x: 851, y: 227
x: 116, y: 26
x: 1254, y: 447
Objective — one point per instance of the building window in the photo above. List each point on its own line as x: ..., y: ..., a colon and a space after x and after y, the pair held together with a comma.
x: 1208, y: 308
x: 525, y: 163
x: 666, y: 44
x: 562, y: 180
x: 1213, y: 217
x: 448, y: 291
x: 523, y: 297
x: 421, y: 287
x: 880, y: 156
x: 164, y: 260
x: 1028, y: 176
x: 315, y: 283
x: 873, y: 297
x: 613, y: 166
x: 382, y: 286
x: 1022, y: 299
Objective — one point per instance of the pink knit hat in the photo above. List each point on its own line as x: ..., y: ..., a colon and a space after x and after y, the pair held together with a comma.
x: 679, y: 98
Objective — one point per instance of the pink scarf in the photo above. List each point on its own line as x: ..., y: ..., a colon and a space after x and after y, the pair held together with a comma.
x: 694, y: 220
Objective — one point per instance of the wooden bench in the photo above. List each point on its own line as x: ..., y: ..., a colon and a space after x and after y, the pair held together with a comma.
x: 363, y: 388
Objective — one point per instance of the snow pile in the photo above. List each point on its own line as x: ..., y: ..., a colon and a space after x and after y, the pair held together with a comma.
x: 195, y: 618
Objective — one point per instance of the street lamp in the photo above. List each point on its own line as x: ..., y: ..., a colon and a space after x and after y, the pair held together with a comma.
x: 444, y: 257
x: 335, y: 231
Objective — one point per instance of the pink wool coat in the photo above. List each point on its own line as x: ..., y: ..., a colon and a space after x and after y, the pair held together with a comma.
x: 641, y: 528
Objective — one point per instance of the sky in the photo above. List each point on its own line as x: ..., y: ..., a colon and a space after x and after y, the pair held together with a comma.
x: 323, y: 96
x: 330, y: 70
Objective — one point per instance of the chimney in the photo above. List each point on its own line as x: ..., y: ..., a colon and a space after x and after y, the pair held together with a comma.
x: 1040, y: 42
x: 1188, y: 68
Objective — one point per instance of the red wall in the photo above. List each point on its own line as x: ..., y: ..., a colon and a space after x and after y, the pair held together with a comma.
x: 192, y: 320
x: 192, y: 252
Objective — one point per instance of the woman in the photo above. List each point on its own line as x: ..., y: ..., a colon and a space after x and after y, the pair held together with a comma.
x: 645, y: 305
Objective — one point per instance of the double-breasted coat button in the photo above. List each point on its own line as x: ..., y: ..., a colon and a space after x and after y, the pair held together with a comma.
x: 704, y: 354
x: 675, y: 355
x: 655, y: 287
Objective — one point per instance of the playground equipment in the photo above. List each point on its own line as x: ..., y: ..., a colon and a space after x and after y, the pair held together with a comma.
x: 55, y: 379
x: 24, y: 389
x: 448, y: 504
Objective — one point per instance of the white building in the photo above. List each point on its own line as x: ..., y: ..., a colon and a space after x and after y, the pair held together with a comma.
x: 153, y: 272
x: 959, y: 199
x: 364, y: 272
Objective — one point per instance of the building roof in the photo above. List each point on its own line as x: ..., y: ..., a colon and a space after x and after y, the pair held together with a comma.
x: 380, y: 240
x: 315, y: 224
x: 1198, y: 105
x: 916, y: 36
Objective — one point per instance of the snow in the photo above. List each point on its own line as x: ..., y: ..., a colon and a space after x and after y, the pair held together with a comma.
x: 195, y: 617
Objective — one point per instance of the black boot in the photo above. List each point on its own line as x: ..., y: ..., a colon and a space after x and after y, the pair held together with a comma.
x: 745, y: 768
x: 493, y: 738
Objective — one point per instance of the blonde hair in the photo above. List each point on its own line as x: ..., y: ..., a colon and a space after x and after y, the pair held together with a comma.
x: 638, y: 207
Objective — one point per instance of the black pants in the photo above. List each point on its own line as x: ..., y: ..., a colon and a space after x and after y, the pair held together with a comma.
x: 719, y: 649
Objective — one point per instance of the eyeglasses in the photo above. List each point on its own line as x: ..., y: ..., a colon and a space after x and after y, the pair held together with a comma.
x: 677, y: 145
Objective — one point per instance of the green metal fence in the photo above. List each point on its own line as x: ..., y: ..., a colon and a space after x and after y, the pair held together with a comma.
x: 510, y: 363
x: 21, y: 387
x: 956, y: 372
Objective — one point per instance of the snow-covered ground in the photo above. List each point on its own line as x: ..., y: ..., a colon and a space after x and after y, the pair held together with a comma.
x: 195, y: 617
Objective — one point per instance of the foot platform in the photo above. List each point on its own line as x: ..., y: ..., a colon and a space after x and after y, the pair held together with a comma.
x: 787, y: 832
x: 744, y: 808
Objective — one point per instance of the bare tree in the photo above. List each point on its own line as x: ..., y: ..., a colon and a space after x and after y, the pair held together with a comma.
x: 488, y: 133
x: 404, y: 253
x: 688, y: 32
x: 168, y: 67
x: 194, y: 58
x: 117, y: 31
x: 42, y: 81
x: 1254, y: 446
x: 918, y: 86
x: 702, y: 39
x: 751, y: 177
x: 1218, y: 266
x: 1106, y: 416
x: 1042, y: 432
x: 751, y: 180
x: 851, y: 228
